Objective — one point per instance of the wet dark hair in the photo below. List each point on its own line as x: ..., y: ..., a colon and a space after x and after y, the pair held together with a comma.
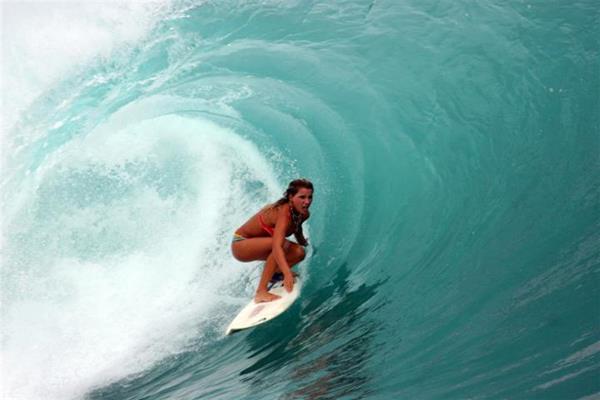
x: 292, y: 189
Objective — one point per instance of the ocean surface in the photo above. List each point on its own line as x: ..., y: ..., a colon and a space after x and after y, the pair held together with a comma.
x: 455, y: 231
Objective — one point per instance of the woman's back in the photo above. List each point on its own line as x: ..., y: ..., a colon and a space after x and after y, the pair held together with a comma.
x: 263, y: 222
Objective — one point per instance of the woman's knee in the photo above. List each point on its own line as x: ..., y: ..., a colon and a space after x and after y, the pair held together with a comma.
x: 297, y: 253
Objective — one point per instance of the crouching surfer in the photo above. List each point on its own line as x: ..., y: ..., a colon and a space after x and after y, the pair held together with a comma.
x: 263, y: 237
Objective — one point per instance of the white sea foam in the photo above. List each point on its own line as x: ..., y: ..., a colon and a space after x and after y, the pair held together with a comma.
x: 117, y: 251
x: 42, y: 42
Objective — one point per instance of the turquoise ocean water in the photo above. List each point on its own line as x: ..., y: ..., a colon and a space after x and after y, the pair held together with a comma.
x: 455, y: 232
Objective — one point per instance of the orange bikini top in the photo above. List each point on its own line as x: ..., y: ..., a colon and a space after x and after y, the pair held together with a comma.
x: 265, y: 227
x: 271, y: 230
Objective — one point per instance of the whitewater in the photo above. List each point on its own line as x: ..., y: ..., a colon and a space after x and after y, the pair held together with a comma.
x: 455, y: 229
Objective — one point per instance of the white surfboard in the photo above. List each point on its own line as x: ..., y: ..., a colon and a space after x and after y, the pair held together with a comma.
x: 257, y: 313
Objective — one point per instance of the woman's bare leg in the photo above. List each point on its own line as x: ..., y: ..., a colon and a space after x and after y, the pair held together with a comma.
x: 262, y: 293
x: 293, y: 255
x: 254, y: 249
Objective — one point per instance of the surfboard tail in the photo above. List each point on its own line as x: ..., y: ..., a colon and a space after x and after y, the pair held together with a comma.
x: 255, y: 314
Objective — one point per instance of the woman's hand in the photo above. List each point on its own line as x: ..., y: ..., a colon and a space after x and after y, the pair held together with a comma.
x: 288, y: 281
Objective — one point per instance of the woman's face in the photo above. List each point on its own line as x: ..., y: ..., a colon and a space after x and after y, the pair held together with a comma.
x: 301, y: 200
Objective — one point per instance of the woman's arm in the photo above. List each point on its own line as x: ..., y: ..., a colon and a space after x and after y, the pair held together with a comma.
x: 299, y: 234
x: 281, y: 226
x: 300, y: 237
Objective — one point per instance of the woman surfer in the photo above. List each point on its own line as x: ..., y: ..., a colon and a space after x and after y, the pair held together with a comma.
x: 262, y: 237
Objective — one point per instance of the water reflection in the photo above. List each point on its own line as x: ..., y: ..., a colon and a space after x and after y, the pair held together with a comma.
x: 326, y: 352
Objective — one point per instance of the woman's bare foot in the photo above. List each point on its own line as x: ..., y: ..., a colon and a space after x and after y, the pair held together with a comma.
x: 264, y: 297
